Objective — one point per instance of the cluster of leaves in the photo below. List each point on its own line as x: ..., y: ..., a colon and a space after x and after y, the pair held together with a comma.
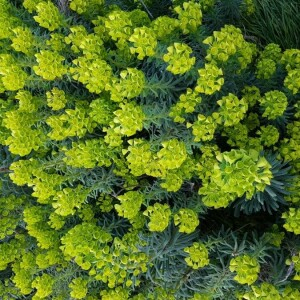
x: 139, y: 147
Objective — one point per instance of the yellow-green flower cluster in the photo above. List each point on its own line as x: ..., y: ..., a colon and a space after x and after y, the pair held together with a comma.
x: 173, y: 154
x: 7, y: 20
x: 83, y: 6
x: 269, y: 135
x: 292, y: 80
x: 128, y: 86
x: 187, y: 219
x: 118, y: 24
x: 164, y: 26
x: 237, y: 135
x: 56, y: 42
x: 204, y: 128
x: 274, y: 104
x: 44, y: 185
x: 290, y: 150
x: 92, y: 47
x: 88, y: 154
x: 24, y: 271
x: 144, y: 42
x: 10, y: 216
x: 159, y: 215
x: 189, y: 16
x: 22, y: 171
x: 48, y: 258
x: 130, y: 204
x: 105, y: 203
x: 290, y: 293
x: 43, y: 285
x: 251, y: 95
x: 291, y: 59
x: 78, y: 288
x: 294, y: 190
x: 11, y: 74
x: 48, y: 15
x: 293, y: 130
x: 186, y: 104
x: 275, y: 236
x: 27, y: 102
x: 30, y: 5
x: 9, y: 252
x: 50, y: 65
x: 231, y: 111
x: 206, y: 4
x: 207, y: 160
x: 173, y: 179
x: 56, y: 99
x: 292, y: 220
x: 121, y: 263
x: 68, y: 200
x: 95, y: 74
x: 271, y: 51
x: 210, y: 79
x: 56, y: 221
x: 129, y: 118
x: 118, y: 293
x: 74, y: 122
x: 178, y: 58
x: 23, y: 138
x: 238, y: 173
x: 76, y: 36
x: 264, y: 291
x: 228, y: 42
x: 265, y: 68
x: 250, y: 6
x: 197, y: 256
x: 252, y: 121
x: 139, y: 156
x: 246, y: 267
x: 37, y: 227
x: 23, y: 41
x: 102, y: 111
x: 113, y: 137
x: 84, y: 242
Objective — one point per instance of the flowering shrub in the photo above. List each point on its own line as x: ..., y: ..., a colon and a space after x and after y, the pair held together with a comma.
x: 147, y: 152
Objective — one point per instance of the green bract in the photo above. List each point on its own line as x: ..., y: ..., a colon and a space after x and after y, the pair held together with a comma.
x: 246, y: 267
x: 178, y: 58
x: 130, y: 204
x: 292, y: 220
x: 147, y: 149
x: 95, y: 74
x: 189, y: 16
x: 88, y: 154
x: 79, y: 288
x: 264, y: 291
x: 274, y: 104
x: 197, y: 256
x: 144, y: 42
x: 187, y: 220
x: 23, y: 41
x: 48, y: 15
x: 159, y: 216
x: 210, y: 79
x: 49, y: 65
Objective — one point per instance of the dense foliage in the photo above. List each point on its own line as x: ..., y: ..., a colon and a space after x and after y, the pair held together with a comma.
x: 149, y: 150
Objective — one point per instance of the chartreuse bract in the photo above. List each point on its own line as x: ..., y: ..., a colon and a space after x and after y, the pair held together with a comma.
x: 145, y: 154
